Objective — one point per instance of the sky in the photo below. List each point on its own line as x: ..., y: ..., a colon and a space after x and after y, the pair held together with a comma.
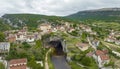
x: 54, y: 7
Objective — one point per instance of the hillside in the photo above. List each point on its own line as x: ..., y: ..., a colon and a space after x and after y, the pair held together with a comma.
x: 3, y: 26
x: 105, y: 14
x: 31, y: 20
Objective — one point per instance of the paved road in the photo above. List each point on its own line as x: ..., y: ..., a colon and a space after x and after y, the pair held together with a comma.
x: 60, y: 62
x: 91, y: 44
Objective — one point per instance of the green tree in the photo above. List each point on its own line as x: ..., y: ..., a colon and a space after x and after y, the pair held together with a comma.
x: 33, y: 65
x: 26, y: 45
x: 86, y: 61
x: 2, y: 37
x: 77, y: 57
x: 2, y: 66
x: 32, y: 62
x: 118, y: 38
x: 74, y: 33
x: 23, y: 54
x: 38, y: 44
x: 84, y: 35
x: 111, y: 63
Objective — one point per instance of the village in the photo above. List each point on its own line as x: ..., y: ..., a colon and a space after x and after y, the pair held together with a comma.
x: 78, y: 36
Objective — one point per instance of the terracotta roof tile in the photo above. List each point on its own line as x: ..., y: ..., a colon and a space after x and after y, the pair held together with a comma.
x: 104, y: 57
x: 18, y: 67
x: 15, y: 61
x: 81, y: 44
x: 99, y: 52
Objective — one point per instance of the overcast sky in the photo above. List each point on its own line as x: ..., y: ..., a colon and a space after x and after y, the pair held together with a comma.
x: 53, y: 7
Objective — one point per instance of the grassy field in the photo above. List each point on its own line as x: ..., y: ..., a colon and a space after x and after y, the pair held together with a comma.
x: 2, y: 66
x: 112, y: 46
x: 107, y: 25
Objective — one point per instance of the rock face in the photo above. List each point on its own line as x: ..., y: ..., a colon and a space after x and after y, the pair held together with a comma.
x: 58, y: 47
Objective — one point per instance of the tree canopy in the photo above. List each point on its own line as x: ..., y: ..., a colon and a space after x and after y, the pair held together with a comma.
x: 2, y: 37
x: 2, y: 66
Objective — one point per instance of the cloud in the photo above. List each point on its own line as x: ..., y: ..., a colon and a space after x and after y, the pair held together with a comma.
x: 53, y: 7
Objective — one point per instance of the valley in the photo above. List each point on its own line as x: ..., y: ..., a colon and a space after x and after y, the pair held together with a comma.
x: 85, y: 40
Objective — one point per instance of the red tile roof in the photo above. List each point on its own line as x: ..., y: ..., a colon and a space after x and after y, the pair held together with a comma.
x: 18, y: 64
x: 18, y: 67
x: 90, y: 54
x: 15, y: 61
x: 104, y: 57
x: 81, y: 44
x: 103, y: 54
x: 105, y: 51
x: 99, y: 52
x: 22, y: 30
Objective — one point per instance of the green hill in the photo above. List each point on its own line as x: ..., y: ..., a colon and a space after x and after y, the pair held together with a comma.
x: 3, y: 26
x: 9, y: 21
x: 105, y: 14
x: 31, y: 20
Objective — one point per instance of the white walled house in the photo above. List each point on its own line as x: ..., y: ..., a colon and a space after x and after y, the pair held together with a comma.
x: 54, y: 30
x: 44, y: 27
x: 62, y: 28
x: 88, y: 30
x: 4, y: 47
x: 110, y: 39
x: 24, y: 32
x: 30, y: 38
x: 117, y: 42
x: 67, y: 24
x: 71, y: 30
x: 82, y: 46
x: 93, y: 33
x: 37, y: 36
x: 102, y: 57
x: 20, y: 37
x: 11, y: 38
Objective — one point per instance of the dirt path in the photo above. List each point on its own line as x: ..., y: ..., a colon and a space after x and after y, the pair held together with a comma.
x: 46, y: 59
